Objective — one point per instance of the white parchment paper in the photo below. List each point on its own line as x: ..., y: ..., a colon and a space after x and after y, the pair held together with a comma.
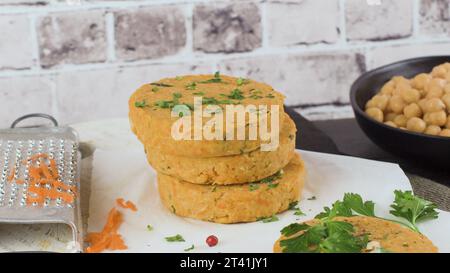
x: 126, y: 174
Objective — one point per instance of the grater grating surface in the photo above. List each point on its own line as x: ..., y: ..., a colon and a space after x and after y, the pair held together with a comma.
x: 18, y: 148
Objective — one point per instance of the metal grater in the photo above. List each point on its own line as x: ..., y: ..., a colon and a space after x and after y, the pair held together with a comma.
x: 17, y: 146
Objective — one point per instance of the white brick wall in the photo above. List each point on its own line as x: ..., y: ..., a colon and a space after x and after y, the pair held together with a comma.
x: 80, y: 60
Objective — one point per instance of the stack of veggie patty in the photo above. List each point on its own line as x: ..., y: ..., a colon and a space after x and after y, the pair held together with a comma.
x: 219, y: 180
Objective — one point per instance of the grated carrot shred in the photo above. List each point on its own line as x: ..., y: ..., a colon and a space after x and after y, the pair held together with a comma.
x: 126, y: 205
x: 108, y: 238
x: 44, y: 183
x: 11, y: 175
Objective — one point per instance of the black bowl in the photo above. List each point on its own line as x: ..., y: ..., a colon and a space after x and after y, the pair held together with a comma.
x: 409, y: 145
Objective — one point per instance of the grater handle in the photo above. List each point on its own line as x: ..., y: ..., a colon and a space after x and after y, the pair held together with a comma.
x: 35, y: 115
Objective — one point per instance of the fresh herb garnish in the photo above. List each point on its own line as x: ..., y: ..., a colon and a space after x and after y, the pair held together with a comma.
x: 170, y: 103
x: 293, y: 205
x: 294, y: 228
x: 176, y: 238
x: 191, y: 86
x: 255, y: 94
x: 273, y: 177
x: 354, y: 202
x: 297, y: 211
x: 413, y: 208
x: 235, y: 94
x: 190, y: 248
x: 269, y: 219
x: 140, y: 104
x: 165, y: 104
x: 216, y: 78
x: 253, y: 187
x: 199, y: 93
x: 155, y: 89
x: 161, y: 84
x: 178, y: 78
x: 149, y: 227
x: 312, y: 198
x: 327, y: 236
x: 241, y: 81
x: 270, y: 96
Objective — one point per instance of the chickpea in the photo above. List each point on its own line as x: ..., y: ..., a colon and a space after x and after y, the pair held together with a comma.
x: 412, y: 110
x: 388, y: 88
x: 390, y: 123
x: 375, y: 113
x: 434, y: 83
x: 433, y: 105
x: 378, y: 101
x: 400, y: 80
x: 400, y: 120
x: 447, y: 87
x: 396, y: 104
x: 400, y: 88
x: 410, y: 95
x: 439, y: 71
x: 420, y: 80
x: 447, y: 66
x: 447, y: 125
x: 445, y: 133
x: 435, y: 92
x: 433, y: 130
x: 436, y: 118
x: 446, y: 100
x: 422, y: 103
x: 416, y: 125
x: 390, y: 116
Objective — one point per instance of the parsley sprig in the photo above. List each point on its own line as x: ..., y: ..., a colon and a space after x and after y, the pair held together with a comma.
x: 329, y: 235
x: 413, y: 208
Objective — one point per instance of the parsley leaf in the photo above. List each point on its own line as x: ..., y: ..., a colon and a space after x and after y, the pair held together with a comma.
x: 355, y: 202
x: 270, y: 219
x: 140, y: 104
x: 236, y: 94
x: 149, y: 227
x: 338, y: 209
x: 293, y: 205
x: 176, y: 238
x: 253, y: 187
x: 297, y: 211
x: 325, y: 237
x: 191, y: 86
x: 293, y: 229
x: 190, y: 248
x: 241, y: 81
x: 216, y: 78
x: 413, y: 208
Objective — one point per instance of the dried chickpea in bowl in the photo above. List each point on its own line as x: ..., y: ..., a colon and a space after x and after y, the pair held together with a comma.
x: 420, y: 104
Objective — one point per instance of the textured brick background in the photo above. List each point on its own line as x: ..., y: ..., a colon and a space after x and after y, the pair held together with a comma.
x: 80, y: 60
